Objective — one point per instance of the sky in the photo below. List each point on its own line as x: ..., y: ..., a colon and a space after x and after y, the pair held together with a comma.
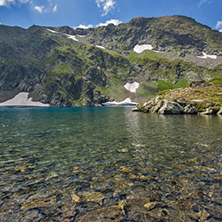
x: 94, y: 13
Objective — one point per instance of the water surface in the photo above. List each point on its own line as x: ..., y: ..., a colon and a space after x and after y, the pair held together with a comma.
x: 109, y: 164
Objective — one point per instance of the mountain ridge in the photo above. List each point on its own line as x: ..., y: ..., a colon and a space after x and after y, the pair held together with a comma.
x: 75, y: 67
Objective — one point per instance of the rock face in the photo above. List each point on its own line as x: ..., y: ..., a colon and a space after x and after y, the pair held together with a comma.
x: 161, y: 107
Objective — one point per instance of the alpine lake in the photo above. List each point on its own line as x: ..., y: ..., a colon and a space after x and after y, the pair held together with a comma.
x: 109, y: 164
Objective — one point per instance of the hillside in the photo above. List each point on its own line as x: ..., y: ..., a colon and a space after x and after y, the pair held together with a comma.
x: 85, y: 67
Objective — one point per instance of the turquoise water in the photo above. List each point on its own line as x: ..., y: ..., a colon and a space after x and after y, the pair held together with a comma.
x: 109, y: 164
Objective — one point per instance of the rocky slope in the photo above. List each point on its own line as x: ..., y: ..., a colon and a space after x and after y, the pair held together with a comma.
x: 75, y: 67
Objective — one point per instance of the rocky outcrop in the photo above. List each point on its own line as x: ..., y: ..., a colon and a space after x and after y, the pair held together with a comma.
x: 178, y: 106
x: 201, y: 83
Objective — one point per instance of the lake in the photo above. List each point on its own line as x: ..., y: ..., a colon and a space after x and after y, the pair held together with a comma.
x: 109, y: 164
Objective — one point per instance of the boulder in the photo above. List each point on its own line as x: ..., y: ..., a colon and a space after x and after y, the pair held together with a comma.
x: 147, y: 106
x: 156, y: 108
x: 171, y: 108
x: 158, y: 98
x: 181, y: 101
x: 220, y: 111
x: 209, y: 111
x: 189, y: 109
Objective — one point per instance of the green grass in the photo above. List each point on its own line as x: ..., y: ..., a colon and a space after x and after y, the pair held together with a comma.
x: 166, y: 85
x: 216, y: 81
x: 143, y: 57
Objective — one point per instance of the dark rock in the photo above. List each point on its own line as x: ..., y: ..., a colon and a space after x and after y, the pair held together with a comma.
x: 201, y: 83
x: 135, y: 109
x: 181, y: 101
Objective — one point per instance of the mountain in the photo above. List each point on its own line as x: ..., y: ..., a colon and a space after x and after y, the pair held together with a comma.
x: 83, y: 67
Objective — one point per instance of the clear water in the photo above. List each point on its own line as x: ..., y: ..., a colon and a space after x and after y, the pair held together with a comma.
x: 109, y: 164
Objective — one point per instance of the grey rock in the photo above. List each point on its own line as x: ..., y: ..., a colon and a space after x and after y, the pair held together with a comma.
x: 181, y: 101
x: 220, y: 111
x: 189, y: 109
x: 147, y: 106
x: 171, y: 108
x: 195, y: 101
x: 158, y: 98
x: 208, y: 111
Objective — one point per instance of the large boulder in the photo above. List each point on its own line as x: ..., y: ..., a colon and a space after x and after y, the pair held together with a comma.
x: 189, y: 109
x: 171, y: 108
x: 181, y: 101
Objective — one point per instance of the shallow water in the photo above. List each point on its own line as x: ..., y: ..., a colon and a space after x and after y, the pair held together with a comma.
x: 109, y: 164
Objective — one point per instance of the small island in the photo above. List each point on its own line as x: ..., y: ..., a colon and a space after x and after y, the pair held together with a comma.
x: 201, y: 97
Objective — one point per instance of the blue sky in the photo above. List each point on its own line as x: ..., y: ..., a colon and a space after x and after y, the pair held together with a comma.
x: 92, y: 13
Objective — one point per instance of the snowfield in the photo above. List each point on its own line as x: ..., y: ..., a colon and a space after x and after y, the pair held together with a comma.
x: 22, y: 100
x: 132, y: 87
x: 140, y: 48
x: 101, y: 47
x: 126, y: 102
x: 205, y: 56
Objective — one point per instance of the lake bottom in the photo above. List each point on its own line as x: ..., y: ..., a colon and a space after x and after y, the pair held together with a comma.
x: 109, y: 164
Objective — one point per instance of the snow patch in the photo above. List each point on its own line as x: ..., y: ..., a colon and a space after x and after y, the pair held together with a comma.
x: 132, y: 87
x: 101, y: 47
x: 141, y: 48
x: 52, y: 31
x: 82, y: 36
x: 73, y: 37
x: 205, y: 56
x: 22, y: 99
x: 126, y: 102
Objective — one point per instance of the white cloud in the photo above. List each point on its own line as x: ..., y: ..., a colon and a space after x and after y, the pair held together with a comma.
x: 39, y: 8
x: 220, y: 30
x: 219, y: 25
x: 106, y: 5
x: 55, y: 8
x: 23, y: 1
x: 84, y: 26
x: 204, y: 2
x: 6, y: 2
x: 111, y: 21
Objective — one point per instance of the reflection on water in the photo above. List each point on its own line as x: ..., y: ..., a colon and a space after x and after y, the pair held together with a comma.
x: 103, y: 164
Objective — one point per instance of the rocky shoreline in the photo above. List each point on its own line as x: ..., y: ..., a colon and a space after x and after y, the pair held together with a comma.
x: 177, y: 106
